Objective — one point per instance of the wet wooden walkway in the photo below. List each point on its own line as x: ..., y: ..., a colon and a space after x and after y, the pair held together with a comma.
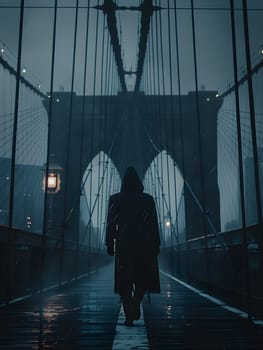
x: 184, y: 318
x: 86, y: 315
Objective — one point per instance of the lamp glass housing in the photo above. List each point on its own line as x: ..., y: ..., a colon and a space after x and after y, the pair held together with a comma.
x: 52, y: 181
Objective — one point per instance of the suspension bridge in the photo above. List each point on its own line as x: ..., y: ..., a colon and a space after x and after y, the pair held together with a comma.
x: 87, y: 89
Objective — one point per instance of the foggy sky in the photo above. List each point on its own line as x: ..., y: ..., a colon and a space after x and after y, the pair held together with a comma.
x: 214, y: 57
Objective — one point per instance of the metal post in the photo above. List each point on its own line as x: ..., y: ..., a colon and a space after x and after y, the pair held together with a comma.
x: 44, y: 230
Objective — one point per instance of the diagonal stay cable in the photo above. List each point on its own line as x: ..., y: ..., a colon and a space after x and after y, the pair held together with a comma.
x: 187, y: 185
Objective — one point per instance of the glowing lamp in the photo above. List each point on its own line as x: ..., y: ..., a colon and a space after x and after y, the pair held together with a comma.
x: 53, y: 182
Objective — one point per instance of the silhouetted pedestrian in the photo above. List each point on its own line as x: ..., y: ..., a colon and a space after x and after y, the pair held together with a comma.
x: 132, y: 234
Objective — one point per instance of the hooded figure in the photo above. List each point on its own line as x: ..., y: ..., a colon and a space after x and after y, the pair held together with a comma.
x: 132, y: 234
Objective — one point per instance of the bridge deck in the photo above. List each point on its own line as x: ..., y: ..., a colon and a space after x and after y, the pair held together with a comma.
x: 85, y: 315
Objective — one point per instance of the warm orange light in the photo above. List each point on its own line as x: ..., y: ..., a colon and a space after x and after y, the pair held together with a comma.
x: 52, y: 181
x: 52, y: 184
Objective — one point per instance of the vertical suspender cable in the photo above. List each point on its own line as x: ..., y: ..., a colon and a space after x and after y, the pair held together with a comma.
x: 93, y: 122
x: 151, y: 81
x: 181, y: 130
x: 163, y: 112
x: 83, y: 110
x: 174, y: 149
x: 50, y: 109
x: 100, y: 135
x: 15, y: 122
x: 166, y: 138
x: 113, y: 87
x: 155, y: 111
x: 240, y: 158
x: 104, y: 189
x: 201, y: 162
x: 62, y: 246
x: 13, y: 154
x: 152, y: 78
x: 158, y: 116
x: 253, y: 131
x: 153, y: 85
x: 107, y: 92
x: 106, y: 142
x: 198, y: 118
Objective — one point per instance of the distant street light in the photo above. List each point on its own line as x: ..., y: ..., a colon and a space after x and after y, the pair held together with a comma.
x: 167, y: 220
x: 167, y: 223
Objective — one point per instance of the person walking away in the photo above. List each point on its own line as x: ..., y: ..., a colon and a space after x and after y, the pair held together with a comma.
x: 132, y: 235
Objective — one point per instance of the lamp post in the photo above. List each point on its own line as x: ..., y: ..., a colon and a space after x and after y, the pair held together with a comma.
x: 53, y: 184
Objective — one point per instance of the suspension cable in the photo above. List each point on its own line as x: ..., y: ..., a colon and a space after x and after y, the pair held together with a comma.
x: 253, y: 128
x: 62, y: 246
x: 82, y: 127
x: 240, y: 157
x: 100, y: 131
x: 166, y: 131
x: 173, y: 125
x: 15, y: 121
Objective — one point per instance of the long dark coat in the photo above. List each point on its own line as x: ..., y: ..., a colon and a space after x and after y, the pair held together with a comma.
x: 132, y: 224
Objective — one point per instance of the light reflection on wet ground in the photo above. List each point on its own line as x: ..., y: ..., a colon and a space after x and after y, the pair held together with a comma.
x: 83, y: 316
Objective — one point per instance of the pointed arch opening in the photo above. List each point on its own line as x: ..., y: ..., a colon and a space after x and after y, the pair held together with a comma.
x: 164, y: 181
x: 99, y: 181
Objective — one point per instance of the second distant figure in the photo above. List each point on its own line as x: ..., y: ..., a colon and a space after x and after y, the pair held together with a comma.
x: 132, y: 234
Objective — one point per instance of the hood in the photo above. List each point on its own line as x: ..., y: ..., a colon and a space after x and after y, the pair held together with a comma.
x: 131, y: 181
